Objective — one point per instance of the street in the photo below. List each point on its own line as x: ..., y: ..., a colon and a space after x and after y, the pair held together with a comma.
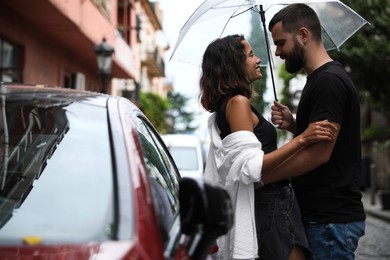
x: 374, y: 245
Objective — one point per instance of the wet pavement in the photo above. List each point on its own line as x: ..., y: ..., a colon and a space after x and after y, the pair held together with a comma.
x: 375, y: 244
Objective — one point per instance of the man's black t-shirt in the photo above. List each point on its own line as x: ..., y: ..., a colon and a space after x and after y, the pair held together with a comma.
x: 331, y: 192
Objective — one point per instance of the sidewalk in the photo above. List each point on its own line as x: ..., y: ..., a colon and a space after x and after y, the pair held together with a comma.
x: 373, y: 207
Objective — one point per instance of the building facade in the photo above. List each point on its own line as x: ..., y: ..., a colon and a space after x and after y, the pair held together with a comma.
x: 51, y: 42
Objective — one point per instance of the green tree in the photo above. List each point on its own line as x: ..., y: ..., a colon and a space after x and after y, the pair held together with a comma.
x: 286, y: 94
x: 366, y: 55
x: 155, y: 108
x: 259, y: 88
x: 182, y: 119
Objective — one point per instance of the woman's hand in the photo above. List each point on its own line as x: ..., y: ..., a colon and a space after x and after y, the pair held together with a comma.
x: 319, y: 131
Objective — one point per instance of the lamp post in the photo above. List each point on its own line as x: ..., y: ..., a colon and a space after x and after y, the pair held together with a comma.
x: 103, y: 53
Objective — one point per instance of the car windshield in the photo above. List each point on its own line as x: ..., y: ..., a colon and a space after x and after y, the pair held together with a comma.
x: 185, y: 157
x: 56, y: 173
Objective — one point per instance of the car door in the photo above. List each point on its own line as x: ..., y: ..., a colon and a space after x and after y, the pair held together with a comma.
x: 164, y: 184
x: 187, y: 231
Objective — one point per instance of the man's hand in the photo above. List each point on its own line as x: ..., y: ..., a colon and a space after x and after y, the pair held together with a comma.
x: 282, y: 116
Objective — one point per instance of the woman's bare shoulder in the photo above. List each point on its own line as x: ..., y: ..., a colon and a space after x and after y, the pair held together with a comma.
x: 239, y: 99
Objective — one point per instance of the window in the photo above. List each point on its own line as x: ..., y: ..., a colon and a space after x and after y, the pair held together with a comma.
x: 104, y: 6
x: 10, y: 62
x: 58, y: 183
x: 163, y: 178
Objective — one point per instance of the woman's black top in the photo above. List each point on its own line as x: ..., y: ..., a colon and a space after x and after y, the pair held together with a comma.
x: 264, y: 131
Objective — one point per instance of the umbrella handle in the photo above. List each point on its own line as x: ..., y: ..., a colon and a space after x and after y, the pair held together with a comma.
x: 262, y: 16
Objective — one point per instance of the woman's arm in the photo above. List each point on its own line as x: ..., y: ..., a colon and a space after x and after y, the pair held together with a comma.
x: 239, y: 114
x: 301, y: 162
x: 316, y: 132
x: 241, y: 118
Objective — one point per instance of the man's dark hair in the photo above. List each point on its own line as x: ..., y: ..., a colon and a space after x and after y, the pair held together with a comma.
x: 296, y: 16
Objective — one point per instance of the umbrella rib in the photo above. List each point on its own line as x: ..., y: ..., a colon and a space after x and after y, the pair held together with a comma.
x: 330, y: 38
x: 234, y: 15
x: 237, y: 14
x: 351, y: 35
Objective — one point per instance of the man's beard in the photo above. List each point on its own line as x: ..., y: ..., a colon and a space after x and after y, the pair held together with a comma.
x: 294, y: 61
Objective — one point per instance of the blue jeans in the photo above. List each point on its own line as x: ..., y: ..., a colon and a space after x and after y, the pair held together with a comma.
x: 334, y: 241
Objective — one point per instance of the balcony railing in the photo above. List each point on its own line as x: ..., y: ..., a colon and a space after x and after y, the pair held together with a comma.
x: 154, y: 63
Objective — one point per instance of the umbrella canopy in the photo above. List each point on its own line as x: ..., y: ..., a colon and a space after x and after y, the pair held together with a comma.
x: 217, y: 18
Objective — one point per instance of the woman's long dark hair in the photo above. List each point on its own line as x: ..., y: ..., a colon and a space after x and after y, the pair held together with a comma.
x: 223, y: 71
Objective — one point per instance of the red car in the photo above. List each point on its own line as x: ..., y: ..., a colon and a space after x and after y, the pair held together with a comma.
x: 86, y: 176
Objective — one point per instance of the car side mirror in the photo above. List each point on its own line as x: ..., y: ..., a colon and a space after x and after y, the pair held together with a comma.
x: 206, y: 212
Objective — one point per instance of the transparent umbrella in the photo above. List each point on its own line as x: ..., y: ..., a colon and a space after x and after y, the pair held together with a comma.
x: 217, y: 18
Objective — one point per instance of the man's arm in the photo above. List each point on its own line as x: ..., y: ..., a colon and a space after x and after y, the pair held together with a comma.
x: 303, y: 161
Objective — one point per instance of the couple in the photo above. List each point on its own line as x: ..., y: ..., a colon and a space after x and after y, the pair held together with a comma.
x: 319, y: 215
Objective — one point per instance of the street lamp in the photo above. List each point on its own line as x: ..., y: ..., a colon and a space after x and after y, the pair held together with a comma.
x: 103, y: 53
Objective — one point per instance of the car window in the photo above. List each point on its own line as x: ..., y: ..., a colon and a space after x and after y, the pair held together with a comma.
x: 163, y: 177
x: 57, y: 175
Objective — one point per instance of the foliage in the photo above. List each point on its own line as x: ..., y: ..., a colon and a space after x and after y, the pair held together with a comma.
x: 155, y: 108
x: 256, y: 40
x: 181, y: 119
x: 366, y: 55
x: 259, y: 88
x: 375, y: 133
x: 168, y: 115
x: 287, y: 96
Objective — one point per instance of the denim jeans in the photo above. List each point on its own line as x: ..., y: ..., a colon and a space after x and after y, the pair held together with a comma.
x: 334, y: 241
x: 278, y: 223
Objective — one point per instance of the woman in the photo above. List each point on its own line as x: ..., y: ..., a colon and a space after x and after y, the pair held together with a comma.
x: 244, y: 146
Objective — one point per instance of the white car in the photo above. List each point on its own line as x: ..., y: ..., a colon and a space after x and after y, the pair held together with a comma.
x: 188, y: 153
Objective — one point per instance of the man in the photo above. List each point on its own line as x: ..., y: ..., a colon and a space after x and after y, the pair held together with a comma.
x: 328, y: 193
